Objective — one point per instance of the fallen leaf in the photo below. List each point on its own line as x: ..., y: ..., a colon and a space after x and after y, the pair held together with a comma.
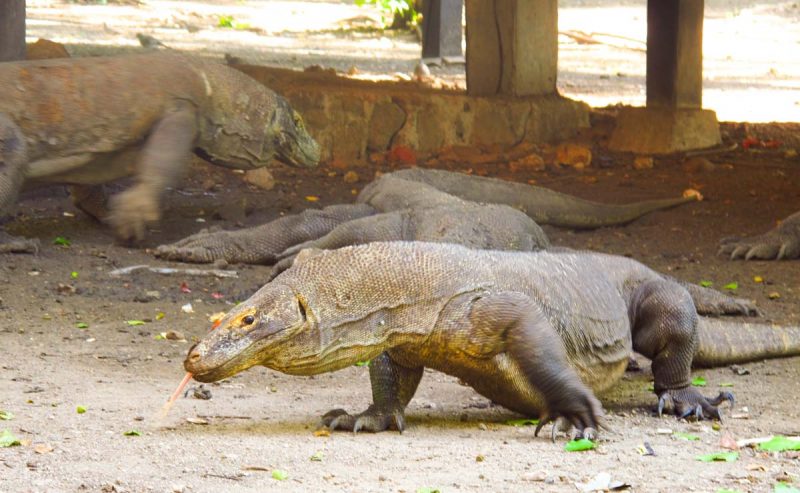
x: 317, y: 457
x: 579, y: 445
x: 43, y: 448
x: 80, y: 409
x: 217, y: 296
x: 699, y: 382
x: 758, y: 279
x: 160, y: 315
x: 73, y: 274
x: 427, y: 489
x: 6, y: 415
x: 61, y: 241
x: 82, y: 325
x: 312, y: 198
x: 686, y: 436
x: 132, y: 433
x: 279, y: 475
x: 781, y: 487
x: 731, y: 286
x: 706, y: 284
x: 780, y: 443
x: 7, y: 439
x: 322, y: 432
x: 197, y: 421
x: 134, y: 323
x: 602, y: 482
x: 718, y: 457
x: 185, y: 288
x: 187, y: 308
x: 774, y: 295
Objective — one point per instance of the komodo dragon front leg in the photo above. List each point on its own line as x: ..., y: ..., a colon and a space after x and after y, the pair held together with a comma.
x: 783, y: 242
x: 393, y: 386
x: 262, y: 244
x: 164, y: 158
x: 664, y: 329
x: 13, y: 166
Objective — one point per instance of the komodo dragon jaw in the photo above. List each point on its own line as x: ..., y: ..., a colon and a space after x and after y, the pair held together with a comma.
x: 249, y: 335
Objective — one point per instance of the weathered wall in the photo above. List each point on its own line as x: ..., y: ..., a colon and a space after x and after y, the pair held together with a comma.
x: 352, y: 119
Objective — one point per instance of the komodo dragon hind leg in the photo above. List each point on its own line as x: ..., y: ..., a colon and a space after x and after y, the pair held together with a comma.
x: 393, y: 386
x: 13, y: 166
x: 538, y: 350
x: 664, y: 329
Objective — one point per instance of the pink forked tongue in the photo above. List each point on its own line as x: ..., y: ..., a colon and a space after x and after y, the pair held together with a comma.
x: 174, y: 397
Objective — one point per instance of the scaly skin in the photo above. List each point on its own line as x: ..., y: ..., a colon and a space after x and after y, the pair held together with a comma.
x: 429, y: 205
x: 781, y: 243
x: 88, y: 121
x: 539, y: 333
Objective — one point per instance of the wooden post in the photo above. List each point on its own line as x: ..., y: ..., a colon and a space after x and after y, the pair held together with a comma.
x: 441, y: 30
x: 12, y: 30
x: 512, y: 47
x: 675, y: 53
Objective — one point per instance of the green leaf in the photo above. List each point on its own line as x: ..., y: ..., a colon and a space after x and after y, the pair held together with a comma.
x: 6, y: 415
x: 132, y: 433
x: 317, y: 457
x: 362, y: 363
x: 82, y: 325
x: 706, y: 284
x: 80, y: 409
x: 225, y: 21
x: 699, y: 382
x: 726, y: 384
x: 779, y: 443
x: 522, y: 422
x: 579, y: 445
x: 73, y: 274
x: 8, y: 440
x: 726, y: 490
x: 427, y: 489
x: 160, y: 337
x: 61, y: 241
x: 731, y: 286
x: 134, y: 323
x: 781, y: 487
x: 718, y: 456
x: 685, y: 436
x: 280, y: 475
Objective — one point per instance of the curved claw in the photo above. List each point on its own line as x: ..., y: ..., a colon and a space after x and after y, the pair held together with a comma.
x: 662, y: 400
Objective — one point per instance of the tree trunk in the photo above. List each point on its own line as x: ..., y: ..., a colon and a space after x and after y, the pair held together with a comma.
x: 12, y: 30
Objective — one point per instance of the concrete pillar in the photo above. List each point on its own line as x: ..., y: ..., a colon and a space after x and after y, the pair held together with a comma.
x: 512, y: 47
x: 673, y: 119
x: 441, y: 31
x: 12, y: 30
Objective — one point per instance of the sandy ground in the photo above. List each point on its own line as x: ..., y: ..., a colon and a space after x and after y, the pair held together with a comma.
x: 261, y: 421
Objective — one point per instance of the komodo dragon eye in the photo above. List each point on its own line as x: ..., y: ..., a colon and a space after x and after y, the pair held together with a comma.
x: 248, y: 320
x: 298, y: 120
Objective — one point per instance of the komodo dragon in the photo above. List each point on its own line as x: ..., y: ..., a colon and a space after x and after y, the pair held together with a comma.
x: 88, y: 121
x: 538, y: 333
x: 782, y: 242
x: 416, y: 204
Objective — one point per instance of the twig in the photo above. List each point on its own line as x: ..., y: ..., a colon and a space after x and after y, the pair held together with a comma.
x: 124, y: 271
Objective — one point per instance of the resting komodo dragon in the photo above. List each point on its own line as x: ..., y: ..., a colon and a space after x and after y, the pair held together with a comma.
x: 416, y: 204
x: 88, y: 121
x: 538, y: 333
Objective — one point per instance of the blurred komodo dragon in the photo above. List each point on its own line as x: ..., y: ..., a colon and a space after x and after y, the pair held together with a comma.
x: 537, y: 332
x: 782, y: 242
x: 88, y: 121
x: 416, y: 204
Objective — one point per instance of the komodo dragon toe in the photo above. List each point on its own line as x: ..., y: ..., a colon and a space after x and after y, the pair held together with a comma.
x: 689, y: 402
x: 373, y: 420
x: 783, y: 242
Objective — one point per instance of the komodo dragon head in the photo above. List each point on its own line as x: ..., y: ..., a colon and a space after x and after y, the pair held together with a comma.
x: 248, y: 125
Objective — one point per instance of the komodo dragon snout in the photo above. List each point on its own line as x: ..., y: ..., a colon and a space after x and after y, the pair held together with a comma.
x: 294, y: 144
x: 248, y: 335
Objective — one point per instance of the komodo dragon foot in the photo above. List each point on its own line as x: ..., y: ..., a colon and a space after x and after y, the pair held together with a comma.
x: 783, y: 242
x: 373, y: 420
x: 204, y: 247
x: 688, y: 402
x: 14, y: 244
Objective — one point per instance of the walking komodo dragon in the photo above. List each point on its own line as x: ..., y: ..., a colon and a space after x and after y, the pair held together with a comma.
x: 416, y: 204
x: 538, y: 333
x: 88, y: 121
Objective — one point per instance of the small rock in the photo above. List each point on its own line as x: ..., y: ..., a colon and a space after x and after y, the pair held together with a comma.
x: 147, y: 297
x: 774, y: 295
x: 691, y: 192
x: 537, y: 476
x: 66, y: 288
x: 643, y: 162
x: 174, y: 335
x: 532, y: 162
x: 353, y: 70
x: 187, y: 308
x: 698, y: 164
x: 351, y: 177
x: 577, y: 156
x: 260, y: 177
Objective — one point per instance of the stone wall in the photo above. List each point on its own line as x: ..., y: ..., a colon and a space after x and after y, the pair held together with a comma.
x: 353, y: 119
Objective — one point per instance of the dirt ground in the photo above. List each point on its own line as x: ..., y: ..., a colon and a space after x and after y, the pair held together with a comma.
x: 261, y: 421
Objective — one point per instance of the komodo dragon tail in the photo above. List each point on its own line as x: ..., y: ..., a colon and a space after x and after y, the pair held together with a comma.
x: 543, y: 205
x: 722, y: 342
